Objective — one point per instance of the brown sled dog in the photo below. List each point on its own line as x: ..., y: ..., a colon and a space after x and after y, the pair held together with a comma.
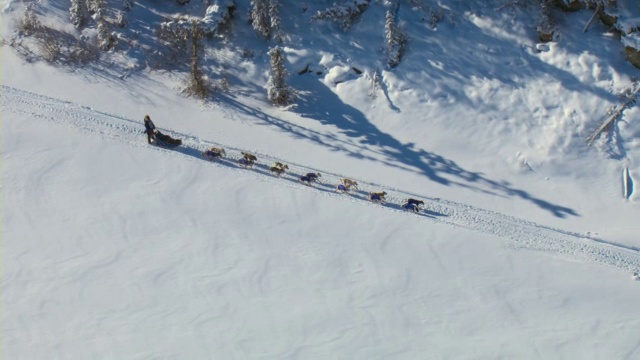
x: 279, y: 168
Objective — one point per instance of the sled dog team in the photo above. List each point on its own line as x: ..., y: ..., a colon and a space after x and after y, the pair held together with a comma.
x: 248, y: 160
x: 344, y: 186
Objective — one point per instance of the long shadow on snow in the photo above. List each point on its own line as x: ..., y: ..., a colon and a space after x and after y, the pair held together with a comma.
x: 294, y: 178
x: 364, y: 135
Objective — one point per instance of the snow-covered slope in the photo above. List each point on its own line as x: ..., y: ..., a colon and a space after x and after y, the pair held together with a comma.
x: 520, y: 233
x: 112, y: 248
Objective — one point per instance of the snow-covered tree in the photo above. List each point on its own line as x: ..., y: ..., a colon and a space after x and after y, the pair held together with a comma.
x: 94, y: 5
x: 127, y: 5
x: 545, y: 24
x: 345, y: 14
x: 395, y: 40
x: 259, y: 17
x: 77, y: 13
x: 106, y: 40
x: 275, y: 19
x: 217, y: 15
x: 390, y: 29
x: 121, y: 19
x: 278, y: 91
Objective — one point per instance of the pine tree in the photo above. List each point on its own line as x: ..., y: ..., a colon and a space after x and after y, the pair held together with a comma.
x: 395, y: 39
x: 275, y: 19
x: 259, y: 16
x: 392, y: 41
x: 77, y: 13
x: 278, y: 91
x: 106, y: 40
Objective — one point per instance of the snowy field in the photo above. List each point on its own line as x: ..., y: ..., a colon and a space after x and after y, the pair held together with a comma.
x: 116, y: 249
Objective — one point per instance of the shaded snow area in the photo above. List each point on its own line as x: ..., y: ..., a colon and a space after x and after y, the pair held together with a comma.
x: 528, y: 245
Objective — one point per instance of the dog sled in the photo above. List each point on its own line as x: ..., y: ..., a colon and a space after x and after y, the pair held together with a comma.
x: 165, y: 140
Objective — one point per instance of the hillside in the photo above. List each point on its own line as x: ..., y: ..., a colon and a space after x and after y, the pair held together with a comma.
x: 112, y: 248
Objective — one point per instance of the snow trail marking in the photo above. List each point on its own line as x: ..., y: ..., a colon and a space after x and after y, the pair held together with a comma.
x: 520, y: 233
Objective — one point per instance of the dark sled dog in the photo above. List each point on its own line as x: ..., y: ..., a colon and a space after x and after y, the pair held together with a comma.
x: 377, y: 197
x: 213, y: 153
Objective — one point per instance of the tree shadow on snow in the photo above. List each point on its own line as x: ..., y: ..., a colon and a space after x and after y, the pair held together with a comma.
x: 362, y: 136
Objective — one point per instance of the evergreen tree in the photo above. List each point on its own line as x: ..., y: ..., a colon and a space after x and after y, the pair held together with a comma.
x: 392, y: 42
x: 106, y: 40
x: 278, y: 91
x: 275, y: 19
x: 395, y: 40
x: 259, y: 16
x: 77, y: 13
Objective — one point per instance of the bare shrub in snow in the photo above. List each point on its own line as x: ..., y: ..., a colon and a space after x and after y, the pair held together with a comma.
x: 247, y: 54
x: 436, y: 16
x: 29, y: 24
x: 197, y: 81
x: 83, y: 52
x: 344, y: 14
x: 223, y: 84
x: 278, y: 91
x: 417, y: 4
x: 50, y: 46
x: 375, y: 83
x: 127, y: 5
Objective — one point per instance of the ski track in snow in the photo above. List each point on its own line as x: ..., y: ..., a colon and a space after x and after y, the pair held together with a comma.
x: 519, y: 233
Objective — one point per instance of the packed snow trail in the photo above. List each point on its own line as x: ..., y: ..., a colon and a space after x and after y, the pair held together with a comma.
x: 519, y: 233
